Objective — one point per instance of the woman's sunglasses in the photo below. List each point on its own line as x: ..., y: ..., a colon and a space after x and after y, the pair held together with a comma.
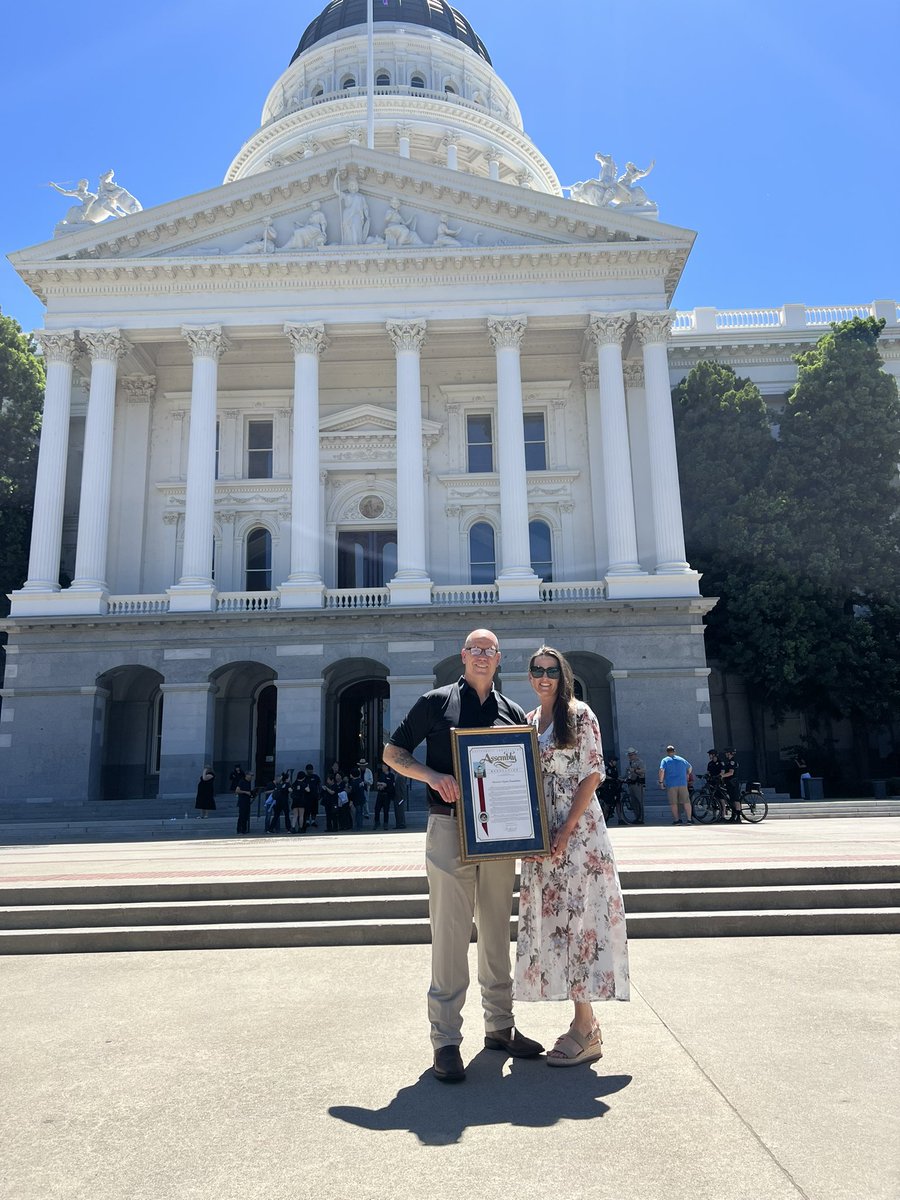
x: 540, y: 672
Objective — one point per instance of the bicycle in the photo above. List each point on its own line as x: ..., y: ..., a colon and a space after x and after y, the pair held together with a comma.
x: 623, y: 805
x: 711, y: 802
x: 754, y: 807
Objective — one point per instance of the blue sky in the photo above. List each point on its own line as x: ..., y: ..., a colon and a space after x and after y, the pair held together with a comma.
x: 772, y: 122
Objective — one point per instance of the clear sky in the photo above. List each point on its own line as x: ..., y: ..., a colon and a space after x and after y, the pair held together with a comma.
x: 773, y: 122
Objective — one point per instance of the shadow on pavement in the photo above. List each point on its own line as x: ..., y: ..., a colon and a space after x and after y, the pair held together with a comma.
x: 530, y: 1095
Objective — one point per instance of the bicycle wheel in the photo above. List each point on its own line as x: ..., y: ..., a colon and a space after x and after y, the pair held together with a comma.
x: 702, y: 807
x: 753, y: 808
x: 628, y: 813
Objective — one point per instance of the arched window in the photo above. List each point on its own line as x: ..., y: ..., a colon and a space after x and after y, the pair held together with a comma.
x: 482, y: 555
x: 417, y: 81
x: 541, y: 550
x: 451, y: 88
x: 318, y: 91
x: 382, y: 79
x: 348, y: 81
x: 259, y: 561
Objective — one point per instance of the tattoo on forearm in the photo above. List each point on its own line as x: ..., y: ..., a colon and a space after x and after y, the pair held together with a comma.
x: 402, y: 758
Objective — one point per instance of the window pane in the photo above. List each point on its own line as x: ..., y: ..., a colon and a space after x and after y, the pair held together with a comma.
x: 260, y: 437
x: 259, y: 561
x: 480, y: 443
x: 541, y: 550
x: 535, y: 442
x: 482, y: 556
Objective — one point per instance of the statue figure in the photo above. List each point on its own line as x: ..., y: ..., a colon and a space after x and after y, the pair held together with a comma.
x: 264, y: 244
x: 354, y: 213
x: 311, y: 234
x: 88, y: 211
x: 109, y: 200
x: 117, y: 199
x: 610, y: 189
x: 398, y: 230
x: 445, y: 235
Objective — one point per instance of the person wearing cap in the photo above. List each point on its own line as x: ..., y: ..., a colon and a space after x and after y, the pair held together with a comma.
x: 458, y: 891
x: 673, y: 776
x: 732, y: 785
x: 368, y: 783
x: 636, y: 777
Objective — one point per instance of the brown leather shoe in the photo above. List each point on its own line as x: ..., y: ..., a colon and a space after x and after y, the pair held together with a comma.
x: 448, y: 1065
x: 513, y: 1042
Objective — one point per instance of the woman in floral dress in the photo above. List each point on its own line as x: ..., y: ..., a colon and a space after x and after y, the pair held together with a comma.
x: 571, y: 942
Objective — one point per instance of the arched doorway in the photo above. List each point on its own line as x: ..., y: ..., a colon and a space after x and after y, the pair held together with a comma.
x: 245, y: 721
x: 363, y: 722
x: 265, y: 734
x: 129, y: 754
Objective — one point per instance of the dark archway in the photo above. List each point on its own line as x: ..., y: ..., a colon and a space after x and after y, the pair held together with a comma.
x: 242, y: 698
x: 129, y: 762
x: 362, y: 722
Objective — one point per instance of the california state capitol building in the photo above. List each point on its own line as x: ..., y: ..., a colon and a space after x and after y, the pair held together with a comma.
x: 388, y: 382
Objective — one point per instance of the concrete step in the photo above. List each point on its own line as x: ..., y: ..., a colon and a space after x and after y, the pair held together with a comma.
x: 219, y: 914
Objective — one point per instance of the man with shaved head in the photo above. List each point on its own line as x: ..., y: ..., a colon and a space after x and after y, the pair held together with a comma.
x: 460, y: 892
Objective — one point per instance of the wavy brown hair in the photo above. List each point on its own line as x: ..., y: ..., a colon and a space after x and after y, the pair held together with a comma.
x: 563, y: 712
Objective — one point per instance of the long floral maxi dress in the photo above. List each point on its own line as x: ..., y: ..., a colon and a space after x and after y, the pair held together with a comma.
x: 571, y: 942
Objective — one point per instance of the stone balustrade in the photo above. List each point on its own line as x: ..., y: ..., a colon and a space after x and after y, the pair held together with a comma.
x: 788, y: 317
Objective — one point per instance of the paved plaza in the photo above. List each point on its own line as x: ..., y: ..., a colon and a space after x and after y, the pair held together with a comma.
x: 742, y: 1069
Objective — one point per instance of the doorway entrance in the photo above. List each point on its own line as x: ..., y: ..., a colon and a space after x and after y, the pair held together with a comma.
x: 363, y: 722
x: 367, y: 558
x: 266, y: 720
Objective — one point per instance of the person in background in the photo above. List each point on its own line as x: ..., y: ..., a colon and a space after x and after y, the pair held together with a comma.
x: 329, y: 803
x: 673, y: 776
x: 206, y: 792
x: 732, y: 785
x: 636, y: 777
x: 282, y: 807
x: 401, y: 792
x: 243, y: 789
x: 357, y: 792
x: 385, y: 785
x: 310, y: 786
x: 368, y: 780
x: 345, y: 816
x: 609, y: 789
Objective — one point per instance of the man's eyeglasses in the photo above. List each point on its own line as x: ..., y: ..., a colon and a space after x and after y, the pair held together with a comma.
x: 540, y: 672
x: 481, y: 651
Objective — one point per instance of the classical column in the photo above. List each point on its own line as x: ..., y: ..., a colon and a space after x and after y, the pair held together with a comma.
x: 449, y: 142
x: 106, y: 347
x: 59, y: 351
x: 404, y: 133
x: 516, y: 580
x: 494, y: 159
x: 131, y: 464
x: 411, y: 584
x: 590, y: 377
x: 607, y: 332
x: 194, y: 591
x: 653, y: 331
x: 303, y: 587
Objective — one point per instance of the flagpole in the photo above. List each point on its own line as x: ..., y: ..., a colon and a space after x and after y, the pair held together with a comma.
x: 370, y: 74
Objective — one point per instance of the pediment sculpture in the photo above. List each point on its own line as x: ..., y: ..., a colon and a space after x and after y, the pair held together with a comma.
x: 611, y: 190
x: 109, y: 200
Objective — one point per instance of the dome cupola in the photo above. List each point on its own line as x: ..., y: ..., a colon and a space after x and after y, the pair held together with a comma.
x: 437, y: 97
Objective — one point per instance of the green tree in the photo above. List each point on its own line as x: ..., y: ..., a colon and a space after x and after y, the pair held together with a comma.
x: 21, y: 399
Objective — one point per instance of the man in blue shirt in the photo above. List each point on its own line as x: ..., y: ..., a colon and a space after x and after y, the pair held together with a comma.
x: 673, y: 776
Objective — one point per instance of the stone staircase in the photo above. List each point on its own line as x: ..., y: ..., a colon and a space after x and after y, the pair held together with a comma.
x: 338, y: 911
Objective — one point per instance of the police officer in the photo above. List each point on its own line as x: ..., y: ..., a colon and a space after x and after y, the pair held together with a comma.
x: 732, y: 786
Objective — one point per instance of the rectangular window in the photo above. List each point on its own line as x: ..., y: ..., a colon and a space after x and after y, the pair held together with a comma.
x: 260, y: 438
x: 480, y: 441
x: 535, y: 442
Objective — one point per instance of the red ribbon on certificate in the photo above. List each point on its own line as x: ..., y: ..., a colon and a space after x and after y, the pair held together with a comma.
x: 482, y: 815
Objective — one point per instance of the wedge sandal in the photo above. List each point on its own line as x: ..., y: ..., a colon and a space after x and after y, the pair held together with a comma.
x: 574, y: 1048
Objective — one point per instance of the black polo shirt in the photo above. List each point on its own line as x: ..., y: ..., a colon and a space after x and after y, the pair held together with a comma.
x: 456, y: 706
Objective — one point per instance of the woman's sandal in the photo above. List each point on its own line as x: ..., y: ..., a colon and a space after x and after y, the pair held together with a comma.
x: 574, y: 1047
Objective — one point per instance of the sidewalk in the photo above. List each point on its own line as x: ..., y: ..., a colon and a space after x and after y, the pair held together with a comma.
x: 742, y: 1069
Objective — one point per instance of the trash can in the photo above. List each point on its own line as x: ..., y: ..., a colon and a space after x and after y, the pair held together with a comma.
x: 879, y: 789
x: 812, y: 789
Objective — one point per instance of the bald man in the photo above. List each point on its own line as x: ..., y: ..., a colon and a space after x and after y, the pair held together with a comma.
x: 459, y: 893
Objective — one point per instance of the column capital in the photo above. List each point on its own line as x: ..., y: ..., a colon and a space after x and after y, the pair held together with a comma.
x: 506, y: 333
x: 608, y: 329
x: 654, y: 326
x: 104, y: 345
x: 307, y: 339
x: 494, y: 154
x: 634, y: 373
x: 139, y: 389
x: 407, y: 335
x: 590, y: 374
x: 205, y: 341
x: 403, y: 129
x: 57, y: 345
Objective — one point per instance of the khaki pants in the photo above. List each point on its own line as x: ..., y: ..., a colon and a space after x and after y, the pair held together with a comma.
x: 457, y: 893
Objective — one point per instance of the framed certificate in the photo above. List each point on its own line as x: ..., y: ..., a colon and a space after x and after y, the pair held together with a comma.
x: 501, y: 809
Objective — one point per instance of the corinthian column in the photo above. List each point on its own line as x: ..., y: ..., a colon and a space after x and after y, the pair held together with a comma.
x: 304, y: 587
x: 607, y: 332
x: 516, y: 580
x: 411, y: 584
x: 106, y: 347
x: 194, y: 591
x: 653, y: 330
x: 59, y: 351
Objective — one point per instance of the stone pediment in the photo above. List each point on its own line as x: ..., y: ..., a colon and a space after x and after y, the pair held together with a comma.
x: 367, y: 421
x: 302, y: 211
